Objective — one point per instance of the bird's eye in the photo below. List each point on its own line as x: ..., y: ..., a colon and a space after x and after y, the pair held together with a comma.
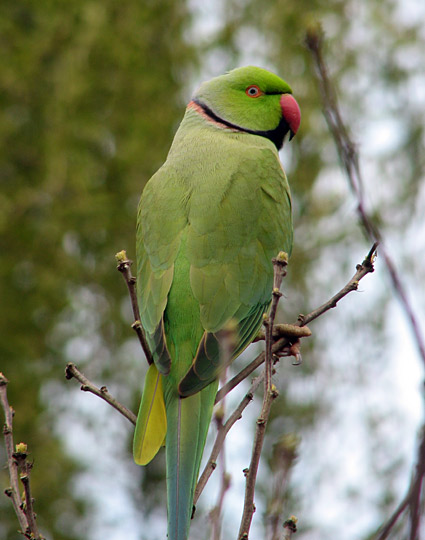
x: 253, y: 91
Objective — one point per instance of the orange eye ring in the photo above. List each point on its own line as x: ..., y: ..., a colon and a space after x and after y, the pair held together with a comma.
x: 253, y: 91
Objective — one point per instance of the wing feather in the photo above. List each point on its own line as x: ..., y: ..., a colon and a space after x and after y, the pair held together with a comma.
x: 231, y: 243
x: 151, y: 425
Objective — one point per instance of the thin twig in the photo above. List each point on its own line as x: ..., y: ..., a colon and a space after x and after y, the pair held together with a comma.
x: 19, y: 468
x: 215, y: 514
x: 221, y: 435
x: 290, y: 528
x: 294, y: 332
x: 13, y: 491
x: 361, y: 271
x: 21, y: 458
x: 284, y: 455
x: 71, y: 371
x: 416, y: 491
x: 349, y: 156
x: 411, y: 499
x: 29, y: 508
x: 279, y: 265
x: 227, y: 341
x: 252, y: 471
x: 124, y: 266
x: 386, y: 528
x: 270, y: 393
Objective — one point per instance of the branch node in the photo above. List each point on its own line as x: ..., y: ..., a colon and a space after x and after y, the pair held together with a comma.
x: 291, y: 524
x: 124, y: 266
x: 276, y: 292
x: 87, y: 386
x: 69, y: 370
x: 274, y: 392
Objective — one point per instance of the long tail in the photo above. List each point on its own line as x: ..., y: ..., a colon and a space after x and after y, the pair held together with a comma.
x: 187, y: 427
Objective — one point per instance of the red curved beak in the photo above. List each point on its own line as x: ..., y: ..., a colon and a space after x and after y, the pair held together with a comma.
x: 291, y: 113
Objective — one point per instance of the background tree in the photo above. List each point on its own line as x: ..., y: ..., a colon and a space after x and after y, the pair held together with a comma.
x: 91, y: 95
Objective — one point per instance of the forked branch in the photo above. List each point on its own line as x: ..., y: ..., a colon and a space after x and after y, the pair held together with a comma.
x: 124, y: 266
x: 270, y: 393
x: 279, y: 339
x: 349, y: 157
x: 19, y: 470
x: 71, y: 371
x: 284, y: 342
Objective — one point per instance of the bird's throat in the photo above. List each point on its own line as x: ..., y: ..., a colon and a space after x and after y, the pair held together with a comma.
x: 276, y: 135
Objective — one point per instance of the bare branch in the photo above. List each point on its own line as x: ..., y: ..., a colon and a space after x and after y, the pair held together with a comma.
x: 348, y: 154
x: 284, y: 336
x: 362, y: 270
x: 215, y: 513
x: 270, y: 393
x: 279, y: 267
x: 19, y: 468
x: 124, y: 266
x: 387, y: 527
x: 416, y: 491
x: 242, y: 375
x: 290, y: 528
x: 71, y: 371
x: 284, y: 455
x: 13, y: 491
x: 20, y: 456
x: 221, y: 435
x: 411, y: 500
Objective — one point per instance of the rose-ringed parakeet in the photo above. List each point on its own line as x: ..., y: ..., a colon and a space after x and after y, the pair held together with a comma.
x: 209, y: 223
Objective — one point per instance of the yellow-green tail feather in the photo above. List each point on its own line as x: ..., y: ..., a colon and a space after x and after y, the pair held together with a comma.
x: 151, y: 425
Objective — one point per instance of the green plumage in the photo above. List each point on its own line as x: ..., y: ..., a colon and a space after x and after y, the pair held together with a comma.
x: 209, y: 223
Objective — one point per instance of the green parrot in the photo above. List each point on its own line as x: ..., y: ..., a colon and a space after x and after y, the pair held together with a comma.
x: 210, y: 220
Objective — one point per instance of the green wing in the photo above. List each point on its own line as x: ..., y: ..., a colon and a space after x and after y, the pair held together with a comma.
x: 230, y: 246
x: 151, y: 425
x: 158, y: 242
x: 234, y: 223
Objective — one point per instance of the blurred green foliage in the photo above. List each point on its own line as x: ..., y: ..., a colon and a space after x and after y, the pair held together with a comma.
x: 91, y: 93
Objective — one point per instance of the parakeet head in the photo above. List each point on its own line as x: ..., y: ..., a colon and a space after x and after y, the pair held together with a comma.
x: 253, y: 100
